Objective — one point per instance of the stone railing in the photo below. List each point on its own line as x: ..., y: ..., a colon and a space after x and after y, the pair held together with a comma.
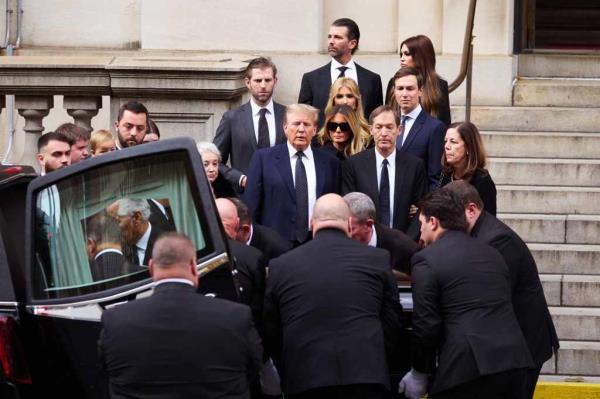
x: 185, y: 95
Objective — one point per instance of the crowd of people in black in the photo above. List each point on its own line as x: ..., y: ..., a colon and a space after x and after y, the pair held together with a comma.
x: 329, y: 205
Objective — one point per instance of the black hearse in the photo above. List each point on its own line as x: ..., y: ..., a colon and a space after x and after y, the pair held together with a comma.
x: 51, y: 299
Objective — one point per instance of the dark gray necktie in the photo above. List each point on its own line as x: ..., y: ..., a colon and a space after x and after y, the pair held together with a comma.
x: 263, y: 130
x: 384, y: 195
x: 342, y: 70
x: 301, y: 199
x: 403, y: 120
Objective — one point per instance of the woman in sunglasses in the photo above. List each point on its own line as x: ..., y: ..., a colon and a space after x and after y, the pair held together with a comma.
x: 338, y: 133
x: 345, y: 91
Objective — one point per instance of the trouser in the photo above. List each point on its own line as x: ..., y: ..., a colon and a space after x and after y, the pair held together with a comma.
x: 354, y: 391
x: 510, y: 384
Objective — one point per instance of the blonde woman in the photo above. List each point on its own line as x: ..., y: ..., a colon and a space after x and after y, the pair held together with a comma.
x: 338, y: 133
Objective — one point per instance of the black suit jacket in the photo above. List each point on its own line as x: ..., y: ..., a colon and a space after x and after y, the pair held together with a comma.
x: 268, y: 242
x: 331, y: 311
x: 250, y: 266
x: 270, y: 193
x: 130, y: 251
x: 425, y: 140
x: 399, y: 245
x: 528, y: 298
x: 444, y: 106
x: 360, y: 174
x: 157, y: 218
x: 235, y: 138
x: 483, y: 183
x: 111, y: 264
x: 179, y: 344
x: 315, y: 86
x: 463, y: 313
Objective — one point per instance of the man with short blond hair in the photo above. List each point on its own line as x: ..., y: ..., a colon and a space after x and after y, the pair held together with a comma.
x: 285, y: 181
x: 177, y: 342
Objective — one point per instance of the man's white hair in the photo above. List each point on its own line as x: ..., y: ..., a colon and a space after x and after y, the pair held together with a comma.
x: 128, y: 206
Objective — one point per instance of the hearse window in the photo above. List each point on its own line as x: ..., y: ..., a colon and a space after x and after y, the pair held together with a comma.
x: 96, y: 230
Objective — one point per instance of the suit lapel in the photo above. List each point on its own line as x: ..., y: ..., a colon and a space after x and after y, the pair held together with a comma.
x: 320, y: 170
x: 282, y: 164
x: 398, y: 184
x: 249, y: 124
x: 414, y: 131
x: 362, y: 86
x: 371, y: 171
x: 279, y: 114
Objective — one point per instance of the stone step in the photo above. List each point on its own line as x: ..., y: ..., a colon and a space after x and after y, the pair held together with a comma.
x: 577, y: 324
x: 566, y: 258
x: 553, y: 92
x: 578, y: 358
x: 532, y: 119
x: 562, y: 229
x: 542, y: 144
x: 571, y: 290
x: 575, y: 383
x: 545, y: 171
x: 548, y: 199
x: 559, y: 65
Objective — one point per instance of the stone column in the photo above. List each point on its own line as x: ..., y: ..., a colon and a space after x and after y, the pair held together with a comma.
x: 82, y: 109
x: 33, y: 109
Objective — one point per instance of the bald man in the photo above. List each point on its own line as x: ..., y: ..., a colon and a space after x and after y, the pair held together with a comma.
x: 332, y: 311
x: 151, y: 346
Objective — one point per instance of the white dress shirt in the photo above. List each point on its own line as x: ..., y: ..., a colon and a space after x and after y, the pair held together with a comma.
x: 410, y: 121
x: 392, y: 175
x: 250, y: 235
x: 311, y: 174
x: 350, y: 72
x: 269, y: 115
x: 142, y: 244
x: 174, y: 280
x: 373, y: 240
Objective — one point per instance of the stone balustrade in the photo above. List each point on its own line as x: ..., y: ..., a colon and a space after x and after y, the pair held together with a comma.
x: 184, y: 94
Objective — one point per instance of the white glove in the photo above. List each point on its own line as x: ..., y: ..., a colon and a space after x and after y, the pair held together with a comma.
x: 413, y: 384
x: 269, y: 379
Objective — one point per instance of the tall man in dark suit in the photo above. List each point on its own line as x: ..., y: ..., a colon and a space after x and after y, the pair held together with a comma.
x: 331, y: 311
x: 263, y: 238
x: 342, y: 43
x: 528, y: 298
x: 420, y: 135
x: 178, y: 343
x: 256, y: 124
x: 285, y: 181
x: 393, y: 179
x: 463, y: 319
x: 365, y: 229
x: 139, y: 235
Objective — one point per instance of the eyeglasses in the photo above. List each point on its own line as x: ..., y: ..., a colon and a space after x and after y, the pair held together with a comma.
x: 333, y: 126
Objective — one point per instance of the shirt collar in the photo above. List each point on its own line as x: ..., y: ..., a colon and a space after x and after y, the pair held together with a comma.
x: 143, y: 241
x: 307, y: 152
x: 373, y: 240
x: 108, y: 250
x: 256, y: 108
x: 173, y: 280
x: 415, y: 112
x: 250, y: 236
x: 379, y: 158
x: 335, y: 64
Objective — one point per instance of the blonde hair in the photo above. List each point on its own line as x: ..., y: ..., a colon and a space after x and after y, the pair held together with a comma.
x: 355, y: 142
x: 349, y: 83
x: 98, y: 137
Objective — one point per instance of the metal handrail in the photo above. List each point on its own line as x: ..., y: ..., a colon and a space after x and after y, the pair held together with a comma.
x: 466, y: 64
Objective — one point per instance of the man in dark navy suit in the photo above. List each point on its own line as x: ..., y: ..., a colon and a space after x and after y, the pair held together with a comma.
x: 420, y: 134
x: 256, y: 124
x: 342, y: 43
x: 528, y: 298
x: 285, y: 181
x: 178, y: 343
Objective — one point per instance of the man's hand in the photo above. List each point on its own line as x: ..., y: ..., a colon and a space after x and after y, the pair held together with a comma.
x: 413, y: 384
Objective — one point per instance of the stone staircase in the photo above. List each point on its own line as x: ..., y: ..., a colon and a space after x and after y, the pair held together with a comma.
x: 544, y: 155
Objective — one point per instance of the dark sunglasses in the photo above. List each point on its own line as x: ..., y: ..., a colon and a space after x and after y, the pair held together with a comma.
x: 333, y: 126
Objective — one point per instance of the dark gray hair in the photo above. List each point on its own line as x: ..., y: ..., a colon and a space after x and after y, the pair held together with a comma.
x: 361, y: 206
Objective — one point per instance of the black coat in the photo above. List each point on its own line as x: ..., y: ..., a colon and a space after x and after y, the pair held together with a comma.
x: 268, y: 242
x: 331, y: 311
x: 483, y: 183
x: 314, y: 89
x: 179, y: 344
x: 528, y: 298
x: 359, y: 173
x: 463, y: 313
x: 399, y: 245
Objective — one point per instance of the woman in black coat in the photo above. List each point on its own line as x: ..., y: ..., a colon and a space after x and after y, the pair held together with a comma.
x: 464, y: 159
x: 211, y: 158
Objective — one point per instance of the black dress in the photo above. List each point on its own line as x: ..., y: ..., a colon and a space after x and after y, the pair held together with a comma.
x: 222, y: 188
x: 444, y: 105
x: 330, y: 148
x: 483, y: 183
